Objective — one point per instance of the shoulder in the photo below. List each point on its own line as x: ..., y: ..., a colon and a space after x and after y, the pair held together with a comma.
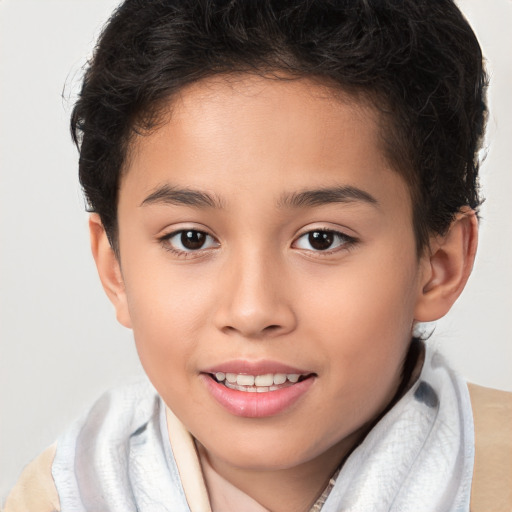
x: 44, y: 484
x: 35, y: 489
x: 492, y: 413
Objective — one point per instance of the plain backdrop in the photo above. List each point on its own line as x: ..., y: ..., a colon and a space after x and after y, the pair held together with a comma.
x: 60, y: 343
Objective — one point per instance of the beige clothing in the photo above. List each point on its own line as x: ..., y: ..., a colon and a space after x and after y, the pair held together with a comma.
x: 492, y: 476
x: 35, y: 490
x: 491, y: 490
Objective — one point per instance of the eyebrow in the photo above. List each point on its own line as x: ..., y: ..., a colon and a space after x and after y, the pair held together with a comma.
x: 167, y: 194
x: 323, y: 196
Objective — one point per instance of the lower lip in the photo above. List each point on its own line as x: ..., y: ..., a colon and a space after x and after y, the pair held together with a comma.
x: 256, y: 405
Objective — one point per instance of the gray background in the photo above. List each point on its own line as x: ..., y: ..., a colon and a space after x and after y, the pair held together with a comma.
x: 60, y: 343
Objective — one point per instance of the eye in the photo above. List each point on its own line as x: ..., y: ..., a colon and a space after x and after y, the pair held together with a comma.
x: 188, y: 240
x: 323, y: 240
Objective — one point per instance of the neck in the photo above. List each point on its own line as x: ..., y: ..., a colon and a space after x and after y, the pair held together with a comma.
x: 293, y: 489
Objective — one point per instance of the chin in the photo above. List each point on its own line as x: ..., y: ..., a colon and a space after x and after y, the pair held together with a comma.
x: 271, y: 454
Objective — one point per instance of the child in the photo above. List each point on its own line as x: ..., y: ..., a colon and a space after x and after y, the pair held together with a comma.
x: 280, y: 193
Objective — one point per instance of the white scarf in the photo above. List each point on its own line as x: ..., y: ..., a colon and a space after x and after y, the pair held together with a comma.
x: 418, y: 458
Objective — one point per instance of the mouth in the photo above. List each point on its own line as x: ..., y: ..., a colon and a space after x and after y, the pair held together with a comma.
x: 264, y: 383
x: 257, y: 389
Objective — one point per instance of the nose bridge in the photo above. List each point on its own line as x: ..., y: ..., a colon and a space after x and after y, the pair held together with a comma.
x: 254, y: 297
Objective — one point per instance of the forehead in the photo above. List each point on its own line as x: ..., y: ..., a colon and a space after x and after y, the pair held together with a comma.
x: 234, y: 132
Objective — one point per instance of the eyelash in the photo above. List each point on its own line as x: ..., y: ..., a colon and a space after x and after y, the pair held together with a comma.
x: 346, y: 242
x: 166, y: 243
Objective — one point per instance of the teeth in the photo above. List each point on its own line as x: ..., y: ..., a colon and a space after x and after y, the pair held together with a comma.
x: 245, y: 380
x: 265, y: 382
x: 279, y: 378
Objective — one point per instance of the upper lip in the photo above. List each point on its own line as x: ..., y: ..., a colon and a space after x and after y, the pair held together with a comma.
x: 255, y: 368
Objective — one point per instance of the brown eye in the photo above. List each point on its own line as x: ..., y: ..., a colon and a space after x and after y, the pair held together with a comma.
x: 193, y: 240
x: 188, y: 240
x: 321, y: 240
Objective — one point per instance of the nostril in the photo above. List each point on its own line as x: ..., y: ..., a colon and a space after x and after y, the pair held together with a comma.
x: 271, y: 328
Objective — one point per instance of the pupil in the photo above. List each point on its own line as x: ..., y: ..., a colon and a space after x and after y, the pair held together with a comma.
x: 321, y: 240
x: 193, y: 239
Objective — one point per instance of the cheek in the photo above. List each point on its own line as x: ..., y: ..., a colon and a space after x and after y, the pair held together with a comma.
x: 167, y: 309
x: 363, y: 298
x: 364, y: 319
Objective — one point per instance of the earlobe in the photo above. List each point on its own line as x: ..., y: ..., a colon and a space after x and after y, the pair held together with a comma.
x: 109, y: 269
x: 447, y: 267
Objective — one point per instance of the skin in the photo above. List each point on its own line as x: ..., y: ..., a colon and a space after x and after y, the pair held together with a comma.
x: 258, y: 290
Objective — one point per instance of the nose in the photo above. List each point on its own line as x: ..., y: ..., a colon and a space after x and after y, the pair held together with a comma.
x: 255, y: 301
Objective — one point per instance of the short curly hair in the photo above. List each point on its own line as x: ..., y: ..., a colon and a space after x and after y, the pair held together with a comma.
x: 417, y: 61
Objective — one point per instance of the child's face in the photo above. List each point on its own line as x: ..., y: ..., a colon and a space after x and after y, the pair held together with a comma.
x: 261, y: 231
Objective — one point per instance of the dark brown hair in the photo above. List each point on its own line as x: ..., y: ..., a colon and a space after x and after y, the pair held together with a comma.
x: 417, y: 61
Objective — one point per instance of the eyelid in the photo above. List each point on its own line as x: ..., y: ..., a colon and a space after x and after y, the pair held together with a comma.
x: 348, y: 243
x: 165, y: 238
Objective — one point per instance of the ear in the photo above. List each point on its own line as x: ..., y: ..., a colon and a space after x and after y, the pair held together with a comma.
x: 109, y: 269
x: 447, y: 266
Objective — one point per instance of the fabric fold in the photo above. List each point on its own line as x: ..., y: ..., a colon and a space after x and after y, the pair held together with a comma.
x: 419, y: 456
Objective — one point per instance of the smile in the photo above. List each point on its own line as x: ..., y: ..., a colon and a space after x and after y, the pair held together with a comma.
x: 258, y: 383
x: 257, y: 390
